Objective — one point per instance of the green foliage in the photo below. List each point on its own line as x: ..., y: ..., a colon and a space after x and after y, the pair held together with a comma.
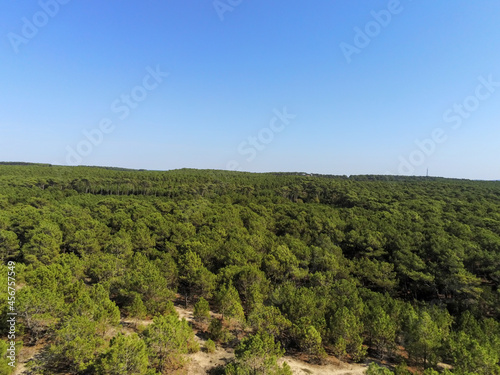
x: 95, y: 305
x: 426, y: 335
x: 40, y: 310
x: 228, y: 300
x: 76, y: 344
x: 85, y: 242
x: 201, y: 310
x: 252, y: 285
x: 5, y: 368
x: 347, y: 263
x: 475, y: 348
x: 150, y: 282
x: 198, y: 280
x: 142, y: 238
x: 382, y: 331
x: 301, y: 304
x: 270, y: 320
x: 309, y: 340
x: 218, y: 332
x: 346, y: 331
x: 106, y: 310
x: 402, y: 369
x: 168, y: 339
x: 469, y: 356
x: 258, y: 354
x: 125, y: 355
x: 136, y: 309
x: 375, y: 369
x: 44, y: 244
x: 281, y: 264
x: 210, y: 346
x: 9, y: 244
x: 376, y: 274
x: 120, y: 245
x: 431, y: 371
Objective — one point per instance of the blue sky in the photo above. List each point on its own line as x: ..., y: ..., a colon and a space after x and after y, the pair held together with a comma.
x: 428, y: 76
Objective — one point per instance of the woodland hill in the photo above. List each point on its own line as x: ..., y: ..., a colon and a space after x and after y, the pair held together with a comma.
x: 402, y: 269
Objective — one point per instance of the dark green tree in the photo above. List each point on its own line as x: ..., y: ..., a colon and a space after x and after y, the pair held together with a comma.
x: 44, y: 244
x: 125, y: 355
x: 229, y: 304
x: 196, y: 278
x: 201, y: 311
x: 258, y: 354
x: 76, y: 344
x: 9, y: 245
x: 168, y: 340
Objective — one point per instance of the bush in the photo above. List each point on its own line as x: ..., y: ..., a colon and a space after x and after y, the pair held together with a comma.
x: 168, y: 339
x: 217, y: 331
x: 210, y: 346
x: 5, y: 369
x: 201, y: 310
x: 126, y: 355
x: 258, y: 354
x: 375, y: 369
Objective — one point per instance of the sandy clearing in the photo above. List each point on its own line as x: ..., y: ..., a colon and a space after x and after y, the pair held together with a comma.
x: 26, y: 354
x: 303, y: 368
x: 202, y: 361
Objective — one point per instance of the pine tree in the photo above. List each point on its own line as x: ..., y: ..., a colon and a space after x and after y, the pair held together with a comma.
x: 258, y: 354
x: 201, y: 311
x: 196, y: 278
x: 168, y: 339
x: 125, y: 355
x: 229, y: 304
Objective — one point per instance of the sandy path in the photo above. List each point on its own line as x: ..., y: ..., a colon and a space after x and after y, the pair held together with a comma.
x: 303, y: 368
x: 26, y: 354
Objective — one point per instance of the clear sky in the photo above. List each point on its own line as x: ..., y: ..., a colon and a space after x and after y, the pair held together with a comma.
x: 334, y: 87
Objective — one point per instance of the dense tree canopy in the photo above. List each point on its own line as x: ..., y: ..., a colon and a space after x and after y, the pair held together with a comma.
x: 380, y: 266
